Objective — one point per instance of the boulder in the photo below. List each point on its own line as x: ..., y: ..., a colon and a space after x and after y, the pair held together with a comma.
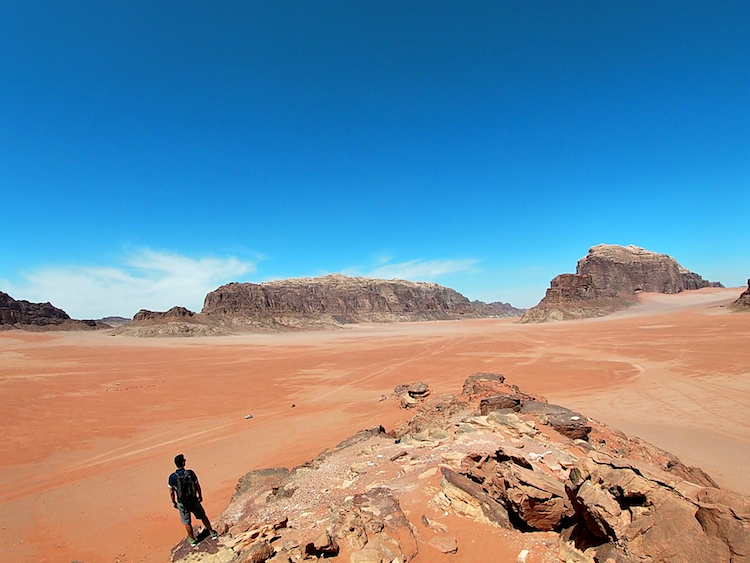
x: 499, y: 402
x: 469, y: 497
x: 481, y: 383
x: 567, y: 422
x: 444, y: 544
x: 258, y: 553
x: 322, y: 546
x: 538, y: 500
x: 645, y: 513
x: 418, y: 389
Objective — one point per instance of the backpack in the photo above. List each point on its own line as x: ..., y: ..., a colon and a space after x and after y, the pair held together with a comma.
x: 185, y: 488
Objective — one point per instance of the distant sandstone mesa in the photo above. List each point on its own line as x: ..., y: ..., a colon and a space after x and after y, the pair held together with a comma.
x: 308, y: 303
x: 608, y: 279
x: 37, y: 316
x: 338, y: 299
x: 743, y: 302
x: 559, y: 485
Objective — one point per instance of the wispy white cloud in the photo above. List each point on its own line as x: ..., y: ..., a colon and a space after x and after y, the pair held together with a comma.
x: 416, y: 270
x: 146, y: 279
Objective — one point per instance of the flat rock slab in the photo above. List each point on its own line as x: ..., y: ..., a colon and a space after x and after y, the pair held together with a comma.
x: 567, y: 422
x: 444, y: 544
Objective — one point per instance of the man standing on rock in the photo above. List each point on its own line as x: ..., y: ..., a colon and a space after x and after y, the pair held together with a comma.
x: 186, y: 495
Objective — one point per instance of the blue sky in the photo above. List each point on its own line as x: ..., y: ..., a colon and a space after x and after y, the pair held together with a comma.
x: 151, y: 151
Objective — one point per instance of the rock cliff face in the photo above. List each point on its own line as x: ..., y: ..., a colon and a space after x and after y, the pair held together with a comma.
x: 535, y: 481
x: 336, y: 299
x: 173, y: 313
x: 609, y: 278
x: 496, y: 309
x: 24, y: 314
x: 743, y: 302
x: 629, y: 269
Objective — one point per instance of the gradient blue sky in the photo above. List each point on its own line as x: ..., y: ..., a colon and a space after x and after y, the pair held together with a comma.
x: 151, y: 151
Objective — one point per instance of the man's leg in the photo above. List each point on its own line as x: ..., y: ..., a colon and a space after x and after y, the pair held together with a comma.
x: 207, y: 524
x: 187, y: 521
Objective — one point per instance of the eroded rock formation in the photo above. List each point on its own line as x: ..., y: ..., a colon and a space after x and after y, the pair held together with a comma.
x: 314, y: 303
x: 173, y: 313
x: 27, y: 315
x: 608, y: 279
x: 743, y: 302
x: 547, y: 481
x: 335, y: 299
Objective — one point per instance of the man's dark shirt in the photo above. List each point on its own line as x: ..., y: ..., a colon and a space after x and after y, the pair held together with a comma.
x: 181, y: 471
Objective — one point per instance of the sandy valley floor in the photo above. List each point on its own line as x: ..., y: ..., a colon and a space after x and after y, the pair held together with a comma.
x: 90, y: 423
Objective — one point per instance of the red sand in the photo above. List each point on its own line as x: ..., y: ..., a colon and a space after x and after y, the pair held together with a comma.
x: 90, y: 423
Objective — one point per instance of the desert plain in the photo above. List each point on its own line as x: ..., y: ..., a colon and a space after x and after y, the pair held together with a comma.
x: 90, y: 423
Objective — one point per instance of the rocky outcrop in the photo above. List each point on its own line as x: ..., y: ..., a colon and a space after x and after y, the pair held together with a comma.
x: 743, y: 302
x: 335, y: 300
x: 173, y: 313
x: 113, y: 322
x: 496, y: 309
x: 516, y: 473
x: 608, y: 279
x: 627, y: 270
x: 22, y: 312
x: 37, y: 316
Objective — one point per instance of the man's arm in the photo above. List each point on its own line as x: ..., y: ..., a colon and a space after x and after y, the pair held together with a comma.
x: 198, y: 490
x: 171, y: 496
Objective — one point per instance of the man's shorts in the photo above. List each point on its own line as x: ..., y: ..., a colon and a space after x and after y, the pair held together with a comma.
x: 185, y: 511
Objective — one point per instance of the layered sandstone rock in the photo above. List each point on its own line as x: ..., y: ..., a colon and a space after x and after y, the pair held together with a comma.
x: 514, y: 472
x: 608, y: 279
x: 743, y: 302
x: 23, y: 312
x: 28, y: 315
x: 630, y: 269
x: 336, y: 299
x: 173, y: 313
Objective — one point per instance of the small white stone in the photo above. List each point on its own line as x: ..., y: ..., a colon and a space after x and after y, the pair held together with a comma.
x: 522, y: 556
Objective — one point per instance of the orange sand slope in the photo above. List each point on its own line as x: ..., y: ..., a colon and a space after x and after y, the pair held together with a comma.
x: 90, y: 423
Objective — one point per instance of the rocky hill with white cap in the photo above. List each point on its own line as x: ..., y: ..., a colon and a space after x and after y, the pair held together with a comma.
x: 609, y: 278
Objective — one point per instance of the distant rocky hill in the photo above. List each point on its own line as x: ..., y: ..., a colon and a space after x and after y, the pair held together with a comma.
x: 743, y: 302
x: 492, y: 465
x: 336, y: 299
x: 496, y: 309
x: 609, y: 278
x: 113, y: 322
x: 37, y: 316
x: 173, y: 313
x: 309, y: 303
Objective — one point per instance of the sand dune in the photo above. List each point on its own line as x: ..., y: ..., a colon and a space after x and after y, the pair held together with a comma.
x: 91, y: 423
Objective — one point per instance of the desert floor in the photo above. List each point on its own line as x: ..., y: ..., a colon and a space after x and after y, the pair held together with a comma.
x: 90, y: 423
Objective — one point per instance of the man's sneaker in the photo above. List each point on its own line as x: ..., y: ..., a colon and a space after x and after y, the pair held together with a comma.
x: 193, y: 542
x: 214, y: 535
